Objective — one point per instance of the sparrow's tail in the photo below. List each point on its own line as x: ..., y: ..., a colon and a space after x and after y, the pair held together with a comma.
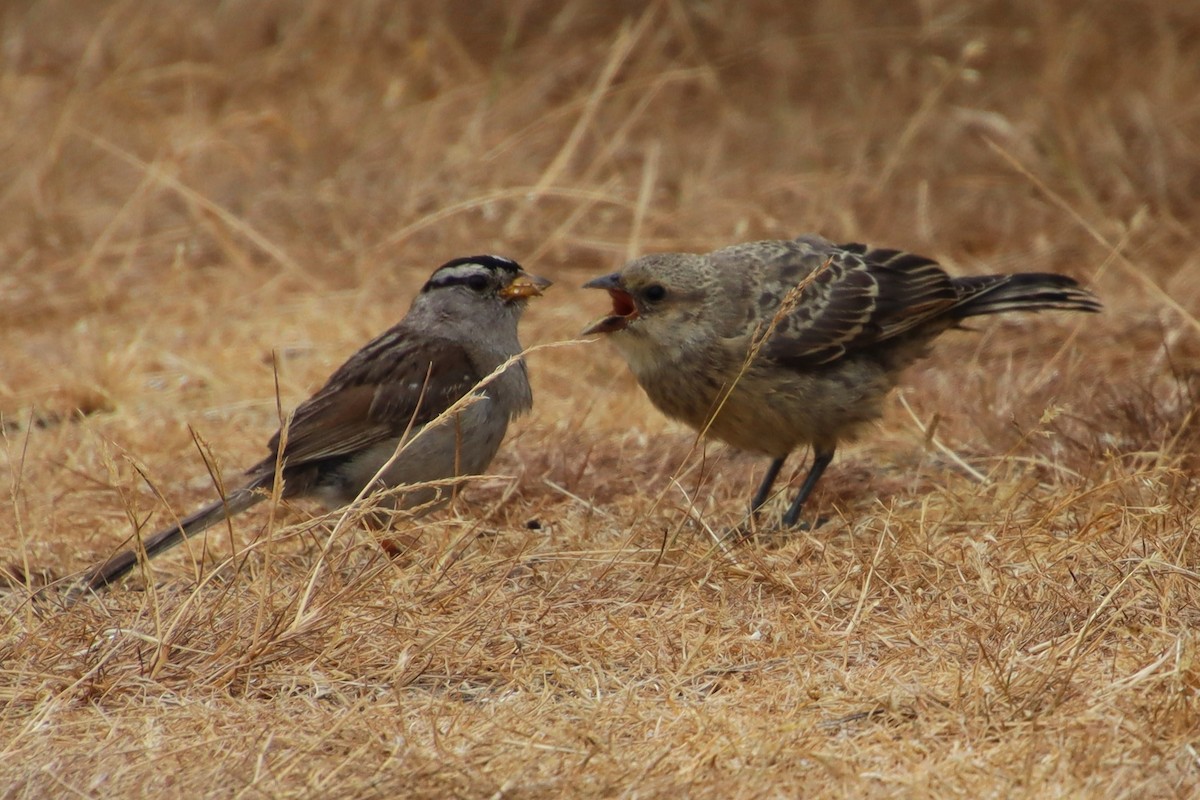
x: 119, y: 565
x: 1025, y: 291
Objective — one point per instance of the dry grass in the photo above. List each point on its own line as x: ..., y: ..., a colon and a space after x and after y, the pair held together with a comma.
x: 188, y: 191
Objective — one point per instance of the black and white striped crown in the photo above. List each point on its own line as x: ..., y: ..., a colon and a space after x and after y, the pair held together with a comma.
x: 469, y: 270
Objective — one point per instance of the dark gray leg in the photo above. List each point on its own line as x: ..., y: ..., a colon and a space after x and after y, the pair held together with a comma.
x: 764, y: 489
x: 821, y: 459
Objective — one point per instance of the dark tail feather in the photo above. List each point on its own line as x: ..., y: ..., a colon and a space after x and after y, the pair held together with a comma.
x: 1025, y: 291
x: 120, y: 565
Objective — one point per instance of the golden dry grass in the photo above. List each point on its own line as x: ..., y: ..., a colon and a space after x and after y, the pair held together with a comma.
x: 1005, y: 601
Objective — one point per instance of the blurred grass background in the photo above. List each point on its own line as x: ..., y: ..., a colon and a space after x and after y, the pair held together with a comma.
x: 190, y: 191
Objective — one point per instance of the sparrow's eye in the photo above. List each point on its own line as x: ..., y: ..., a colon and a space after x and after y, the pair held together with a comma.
x: 654, y: 292
x: 477, y: 282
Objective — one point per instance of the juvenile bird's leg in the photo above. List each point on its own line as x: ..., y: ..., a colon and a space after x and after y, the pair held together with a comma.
x: 764, y: 489
x: 821, y: 459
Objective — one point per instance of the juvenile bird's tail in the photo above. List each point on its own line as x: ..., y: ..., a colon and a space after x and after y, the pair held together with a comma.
x: 119, y: 565
x: 1024, y: 291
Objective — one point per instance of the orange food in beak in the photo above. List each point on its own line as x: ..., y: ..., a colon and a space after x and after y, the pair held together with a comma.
x: 523, y: 287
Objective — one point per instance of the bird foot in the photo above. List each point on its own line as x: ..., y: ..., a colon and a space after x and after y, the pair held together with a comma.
x: 803, y: 525
x: 751, y: 528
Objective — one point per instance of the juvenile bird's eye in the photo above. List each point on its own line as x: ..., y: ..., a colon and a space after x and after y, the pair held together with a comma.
x: 477, y: 282
x: 654, y: 292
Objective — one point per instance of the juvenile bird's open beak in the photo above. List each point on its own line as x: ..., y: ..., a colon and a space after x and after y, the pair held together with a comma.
x: 624, y: 309
x: 524, y: 286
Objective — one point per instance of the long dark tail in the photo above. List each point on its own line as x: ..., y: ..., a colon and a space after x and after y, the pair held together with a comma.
x: 1025, y: 291
x: 119, y: 565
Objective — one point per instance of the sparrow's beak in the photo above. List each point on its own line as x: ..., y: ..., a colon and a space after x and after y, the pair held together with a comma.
x: 523, y: 287
x: 624, y: 310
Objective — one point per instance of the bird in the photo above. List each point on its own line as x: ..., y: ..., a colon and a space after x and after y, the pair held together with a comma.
x: 460, y: 328
x: 773, y: 345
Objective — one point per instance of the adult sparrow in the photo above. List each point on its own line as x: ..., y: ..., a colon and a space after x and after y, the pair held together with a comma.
x: 461, y: 327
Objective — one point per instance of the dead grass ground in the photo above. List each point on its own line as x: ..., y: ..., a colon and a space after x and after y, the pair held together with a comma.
x: 188, y: 190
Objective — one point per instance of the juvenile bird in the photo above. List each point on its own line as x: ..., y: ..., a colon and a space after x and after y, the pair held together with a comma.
x: 461, y: 326
x: 733, y: 344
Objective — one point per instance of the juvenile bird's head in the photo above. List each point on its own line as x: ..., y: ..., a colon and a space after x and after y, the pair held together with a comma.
x: 662, y: 307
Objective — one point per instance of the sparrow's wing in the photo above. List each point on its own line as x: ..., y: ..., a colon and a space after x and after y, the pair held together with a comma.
x: 859, y: 297
x: 395, y: 383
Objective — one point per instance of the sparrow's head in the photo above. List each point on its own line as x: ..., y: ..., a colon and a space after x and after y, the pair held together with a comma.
x: 659, y: 303
x: 491, y: 280
x: 475, y: 298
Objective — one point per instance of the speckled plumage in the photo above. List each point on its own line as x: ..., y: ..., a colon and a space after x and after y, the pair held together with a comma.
x: 824, y: 357
x: 460, y: 328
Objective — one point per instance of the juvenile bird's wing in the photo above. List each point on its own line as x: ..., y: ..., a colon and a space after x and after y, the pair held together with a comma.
x: 373, y: 398
x: 858, y: 298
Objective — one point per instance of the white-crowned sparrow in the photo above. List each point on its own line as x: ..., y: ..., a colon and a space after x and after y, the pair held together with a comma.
x: 460, y: 328
x: 725, y: 342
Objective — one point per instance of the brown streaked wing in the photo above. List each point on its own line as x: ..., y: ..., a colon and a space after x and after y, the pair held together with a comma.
x: 864, y: 297
x: 835, y: 311
x: 912, y: 289
x: 371, y: 400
